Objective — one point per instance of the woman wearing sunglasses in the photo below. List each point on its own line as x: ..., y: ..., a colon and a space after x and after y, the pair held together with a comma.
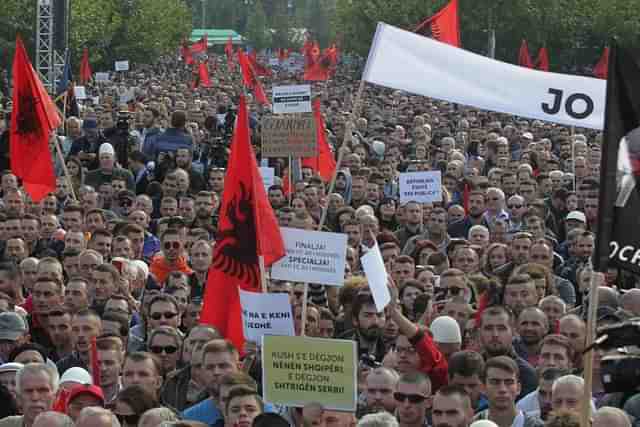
x: 131, y: 403
x: 165, y: 342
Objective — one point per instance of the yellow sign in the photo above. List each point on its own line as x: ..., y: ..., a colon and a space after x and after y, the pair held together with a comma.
x: 301, y: 370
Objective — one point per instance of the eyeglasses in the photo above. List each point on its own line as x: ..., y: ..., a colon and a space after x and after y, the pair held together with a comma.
x: 412, y: 398
x: 131, y: 419
x: 167, y: 315
x: 171, y: 245
x: 168, y: 349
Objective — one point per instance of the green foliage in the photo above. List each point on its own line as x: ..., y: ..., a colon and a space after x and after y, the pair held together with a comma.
x: 16, y: 17
x: 257, y: 32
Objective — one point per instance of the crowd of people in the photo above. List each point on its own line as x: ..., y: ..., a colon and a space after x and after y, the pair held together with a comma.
x: 101, y: 282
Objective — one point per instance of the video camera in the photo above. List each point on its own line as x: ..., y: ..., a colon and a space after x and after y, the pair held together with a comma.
x: 620, y: 372
x: 123, y: 121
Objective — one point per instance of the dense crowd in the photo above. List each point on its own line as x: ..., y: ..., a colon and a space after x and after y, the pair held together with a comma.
x: 490, y: 286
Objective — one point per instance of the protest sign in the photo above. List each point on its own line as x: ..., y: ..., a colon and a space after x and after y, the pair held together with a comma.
x: 265, y: 314
x: 376, y: 273
x: 292, y: 99
x: 300, y: 370
x: 421, y: 187
x: 122, y: 66
x: 126, y: 94
x: 312, y: 257
x: 102, y: 77
x: 284, y: 136
x: 268, y: 176
x: 80, y: 92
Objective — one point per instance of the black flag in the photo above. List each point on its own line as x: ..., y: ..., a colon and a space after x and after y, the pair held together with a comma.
x: 618, y: 239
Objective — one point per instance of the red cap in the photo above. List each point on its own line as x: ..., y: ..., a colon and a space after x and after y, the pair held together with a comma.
x: 93, y: 390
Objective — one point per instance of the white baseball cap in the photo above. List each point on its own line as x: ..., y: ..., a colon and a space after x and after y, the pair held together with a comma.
x: 446, y: 330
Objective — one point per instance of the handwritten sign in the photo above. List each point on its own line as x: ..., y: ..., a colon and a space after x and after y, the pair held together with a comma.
x: 284, y: 136
x: 265, y: 314
x: 421, y: 187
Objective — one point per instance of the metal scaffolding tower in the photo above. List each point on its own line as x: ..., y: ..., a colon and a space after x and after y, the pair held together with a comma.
x: 49, y: 61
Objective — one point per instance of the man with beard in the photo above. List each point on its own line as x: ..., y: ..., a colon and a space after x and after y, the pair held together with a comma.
x: 519, y: 293
x: 277, y: 197
x: 435, y: 232
x: 369, y: 324
x: 532, y: 326
x: 184, y: 160
x: 519, y: 249
x: 205, y: 205
x: 379, y: 388
x: 477, y: 208
x: 451, y: 407
x: 496, y: 339
x: 538, y: 402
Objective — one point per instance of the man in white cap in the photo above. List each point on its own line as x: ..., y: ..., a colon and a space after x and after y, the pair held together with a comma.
x: 446, y: 335
x: 8, y: 376
x: 108, y: 170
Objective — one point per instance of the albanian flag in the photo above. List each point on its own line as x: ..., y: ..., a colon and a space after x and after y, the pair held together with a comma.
x: 324, y: 163
x: 250, y: 79
x: 228, y: 50
x: 321, y: 69
x: 258, y: 68
x: 602, y: 67
x: 201, y: 45
x: 33, y: 119
x: 85, y: 67
x: 445, y: 25
x: 185, y: 50
x: 247, y: 229
x: 542, y: 63
x: 524, y: 59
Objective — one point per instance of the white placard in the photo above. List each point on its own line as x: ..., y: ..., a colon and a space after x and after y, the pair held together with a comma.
x: 292, y: 99
x: 268, y: 176
x: 265, y: 314
x: 421, y: 187
x: 312, y: 257
x: 126, y: 94
x: 374, y: 269
x: 404, y: 60
x: 102, y: 77
x: 80, y: 92
x: 274, y: 62
x: 122, y: 65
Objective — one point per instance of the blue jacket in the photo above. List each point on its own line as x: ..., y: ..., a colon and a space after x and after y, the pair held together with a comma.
x: 168, y: 141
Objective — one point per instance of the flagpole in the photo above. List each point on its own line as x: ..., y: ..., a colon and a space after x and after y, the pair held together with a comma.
x: 64, y: 168
x: 291, y: 183
x: 585, y: 414
x: 263, y: 273
x: 355, y: 112
x: 303, y: 317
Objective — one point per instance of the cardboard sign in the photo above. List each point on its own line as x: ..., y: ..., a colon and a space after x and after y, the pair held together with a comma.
x: 292, y: 99
x: 265, y: 314
x: 268, y: 176
x: 376, y: 273
x: 421, y: 187
x: 312, y: 257
x: 300, y: 370
x: 80, y: 92
x: 102, y: 77
x: 284, y: 136
x: 122, y: 65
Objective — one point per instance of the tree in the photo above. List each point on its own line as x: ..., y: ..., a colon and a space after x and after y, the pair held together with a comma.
x: 280, y: 24
x: 319, y: 23
x: 257, y: 27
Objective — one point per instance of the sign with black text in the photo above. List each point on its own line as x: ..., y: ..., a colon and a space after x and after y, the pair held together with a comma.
x: 292, y: 99
x: 293, y: 136
x: 265, y: 314
x: 312, y: 257
x: 122, y: 65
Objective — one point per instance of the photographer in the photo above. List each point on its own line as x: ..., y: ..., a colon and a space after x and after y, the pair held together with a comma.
x: 122, y: 138
x: 170, y: 140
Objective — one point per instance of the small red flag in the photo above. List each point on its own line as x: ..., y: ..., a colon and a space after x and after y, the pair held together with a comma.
x: 324, y: 163
x: 319, y: 70
x: 601, y: 70
x: 542, y: 63
x: 33, y: 119
x: 524, y: 59
x: 185, y: 50
x: 247, y: 229
x: 203, y: 74
x: 445, y: 25
x: 250, y: 79
x: 258, y: 68
x: 95, y: 362
x: 85, y: 67
x: 201, y: 45
x: 228, y: 50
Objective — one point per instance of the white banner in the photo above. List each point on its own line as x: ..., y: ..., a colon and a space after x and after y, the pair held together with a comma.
x: 312, y: 257
x: 421, y: 187
x: 292, y: 99
x: 102, y: 77
x: 407, y: 61
x: 122, y: 65
x: 265, y: 314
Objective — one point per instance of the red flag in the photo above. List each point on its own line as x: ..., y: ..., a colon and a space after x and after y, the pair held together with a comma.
x: 33, y: 119
x: 95, y: 362
x: 319, y: 70
x: 524, y: 59
x: 324, y: 163
x: 250, y: 79
x: 601, y: 70
x: 258, y: 68
x: 542, y: 63
x: 445, y: 25
x: 60, y: 403
x: 187, y: 57
x: 247, y: 228
x: 203, y: 74
x: 201, y: 45
x: 228, y: 50
x: 85, y: 67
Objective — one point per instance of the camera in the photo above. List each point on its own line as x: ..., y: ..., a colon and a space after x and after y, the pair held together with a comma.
x: 123, y: 121
x: 621, y: 372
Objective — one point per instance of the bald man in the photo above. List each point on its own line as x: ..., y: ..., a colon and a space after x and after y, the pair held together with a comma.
x: 611, y: 417
x: 631, y: 302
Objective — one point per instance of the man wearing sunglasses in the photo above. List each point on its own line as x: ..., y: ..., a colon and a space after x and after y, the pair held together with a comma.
x: 173, y: 256
x: 413, y: 399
